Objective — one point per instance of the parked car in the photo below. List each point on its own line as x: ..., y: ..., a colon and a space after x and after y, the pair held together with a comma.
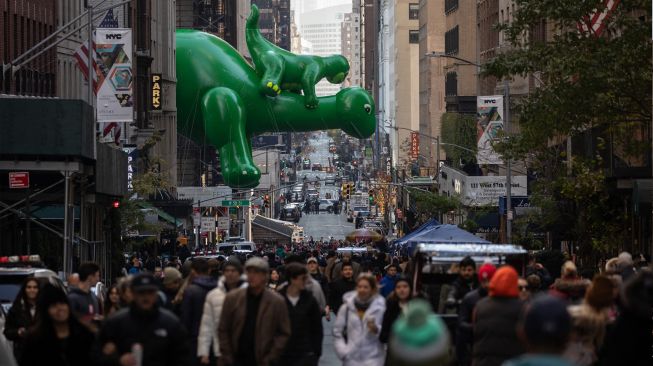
x: 15, y: 269
x: 317, y: 167
x: 326, y: 205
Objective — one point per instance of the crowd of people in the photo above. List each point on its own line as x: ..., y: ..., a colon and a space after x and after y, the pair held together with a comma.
x: 264, y: 312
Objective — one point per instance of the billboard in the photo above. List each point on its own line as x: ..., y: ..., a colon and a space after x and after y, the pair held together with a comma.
x: 489, y: 121
x: 113, y: 66
x: 486, y: 190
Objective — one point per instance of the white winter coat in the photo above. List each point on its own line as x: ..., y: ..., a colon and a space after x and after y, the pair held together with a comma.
x: 211, y: 318
x: 362, y: 348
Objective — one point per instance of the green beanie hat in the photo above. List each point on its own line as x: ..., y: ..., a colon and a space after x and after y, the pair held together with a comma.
x: 419, y: 337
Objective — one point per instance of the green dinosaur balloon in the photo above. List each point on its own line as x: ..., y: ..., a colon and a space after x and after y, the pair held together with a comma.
x: 219, y: 102
x: 282, y: 70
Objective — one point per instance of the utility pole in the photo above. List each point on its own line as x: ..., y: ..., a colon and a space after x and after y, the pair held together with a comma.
x: 506, y: 126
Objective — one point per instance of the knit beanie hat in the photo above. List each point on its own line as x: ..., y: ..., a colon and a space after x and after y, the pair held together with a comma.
x: 234, y: 262
x: 504, y: 283
x: 51, y: 295
x: 419, y: 337
x: 486, y: 271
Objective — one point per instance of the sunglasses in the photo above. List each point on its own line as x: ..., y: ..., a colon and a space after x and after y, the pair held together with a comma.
x: 523, y: 288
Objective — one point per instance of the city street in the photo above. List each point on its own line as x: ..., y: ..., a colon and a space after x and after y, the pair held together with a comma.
x: 325, y: 225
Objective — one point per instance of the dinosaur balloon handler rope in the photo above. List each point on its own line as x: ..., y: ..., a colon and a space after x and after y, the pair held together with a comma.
x: 224, y: 101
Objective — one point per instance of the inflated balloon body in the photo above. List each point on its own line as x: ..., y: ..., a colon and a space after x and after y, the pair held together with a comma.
x: 222, y: 100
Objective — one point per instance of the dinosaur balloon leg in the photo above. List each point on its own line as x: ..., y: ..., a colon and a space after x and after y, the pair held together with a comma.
x: 224, y: 122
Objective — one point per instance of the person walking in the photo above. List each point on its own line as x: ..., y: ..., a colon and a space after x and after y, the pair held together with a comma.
x: 58, y: 338
x: 305, y: 343
x: 341, y: 286
x: 192, y: 304
x: 170, y: 286
x: 232, y: 278
x: 395, y: 305
x: 337, y: 269
x: 22, y: 314
x: 112, y: 301
x: 544, y: 331
x: 388, y: 281
x: 465, y: 336
x: 275, y: 279
x: 464, y: 283
x: 570, y: 286
x: 143, y: 332
x: 495, y: 321
x: 589, y: 321
x: 254, y: 325
x: 358, y: 325
x: 83, y: 302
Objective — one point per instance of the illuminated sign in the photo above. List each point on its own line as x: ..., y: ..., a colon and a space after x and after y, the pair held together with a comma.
x: 414, y: 146
x: 156, y: 92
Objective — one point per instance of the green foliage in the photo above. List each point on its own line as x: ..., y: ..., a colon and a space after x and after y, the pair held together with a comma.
x: 459, y: 129
x: 589, y: 84
x: 432, y: 204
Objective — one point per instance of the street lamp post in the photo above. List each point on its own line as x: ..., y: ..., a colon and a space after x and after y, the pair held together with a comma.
x: 506, y: 123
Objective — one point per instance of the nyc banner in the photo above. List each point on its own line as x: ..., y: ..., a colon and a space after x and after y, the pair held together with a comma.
x: 113, y: 66
x: 488, y: 124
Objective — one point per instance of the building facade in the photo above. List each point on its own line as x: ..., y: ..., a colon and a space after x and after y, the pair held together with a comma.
x: 22, y: 25
x: 460, y: 40
x: 431, y: 78
x: 399, y: 83
x: 351, y: 48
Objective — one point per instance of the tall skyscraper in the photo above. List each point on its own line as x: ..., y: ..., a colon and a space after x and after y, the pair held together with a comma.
x: 275, y: 21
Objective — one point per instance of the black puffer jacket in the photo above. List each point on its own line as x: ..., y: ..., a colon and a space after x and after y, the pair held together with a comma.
x: 495, y: 331
x: 42, y: 347
x: 164, y: 339
x: 19, y: 316
x: 306, y: 327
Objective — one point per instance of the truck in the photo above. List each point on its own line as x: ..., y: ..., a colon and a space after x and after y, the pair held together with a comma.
x: 358, y: 202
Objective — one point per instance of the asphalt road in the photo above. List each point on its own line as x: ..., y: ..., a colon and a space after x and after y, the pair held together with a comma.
x: 324, y: 225
x: 328, y: 354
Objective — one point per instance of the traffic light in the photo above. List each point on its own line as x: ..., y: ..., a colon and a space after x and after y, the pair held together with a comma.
x: 266, y: 201
x: 116, y: 204
x: 371, y: 196
x: 346, y: 190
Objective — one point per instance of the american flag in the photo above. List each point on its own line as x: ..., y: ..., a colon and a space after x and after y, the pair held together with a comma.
x: 81, y: 56
x: 595, y: 23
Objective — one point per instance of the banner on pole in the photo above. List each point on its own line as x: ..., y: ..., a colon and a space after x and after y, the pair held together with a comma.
x: 113, y: 49
x: 488, y: 124
x: 414, y: 146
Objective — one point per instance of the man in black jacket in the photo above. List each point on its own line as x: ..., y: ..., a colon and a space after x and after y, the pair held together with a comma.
x: 341, y: 286
x: 464, y: 283
x: 465, y: 336
x: 305, y: 344
x: 143, y: 331
x: 192, y: 304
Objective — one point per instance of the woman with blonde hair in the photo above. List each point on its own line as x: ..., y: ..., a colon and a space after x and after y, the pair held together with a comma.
x: 358, y: 324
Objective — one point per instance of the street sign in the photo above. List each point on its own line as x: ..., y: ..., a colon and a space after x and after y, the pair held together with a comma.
x: 223, y: 223
x: 205, y: 196
x: 19, y: 180
x: 208, y: 224
x: 235, y: 203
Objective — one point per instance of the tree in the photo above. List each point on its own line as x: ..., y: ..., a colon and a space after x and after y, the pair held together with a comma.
x: 429, y: 205
x: 593, y: 89
x: 459, y: 129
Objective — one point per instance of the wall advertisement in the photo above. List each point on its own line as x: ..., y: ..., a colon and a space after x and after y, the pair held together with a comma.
x: 113, y: 54
x: 489, y: 122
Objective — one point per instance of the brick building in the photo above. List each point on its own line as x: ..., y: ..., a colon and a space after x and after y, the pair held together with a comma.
x: 23, y: 24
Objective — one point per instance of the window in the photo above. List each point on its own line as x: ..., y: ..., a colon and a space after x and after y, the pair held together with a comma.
x: 413, y: 11
x: 413, y: 36
x: 450, y: 6
x: 451, y: 84
x: 451, y: 41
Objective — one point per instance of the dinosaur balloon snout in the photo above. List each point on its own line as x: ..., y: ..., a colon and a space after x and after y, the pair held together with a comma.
x: 357, y: 112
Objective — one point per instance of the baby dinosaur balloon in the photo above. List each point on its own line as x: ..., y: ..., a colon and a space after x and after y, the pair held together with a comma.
x: 281, y: 70
x: 223, y: 101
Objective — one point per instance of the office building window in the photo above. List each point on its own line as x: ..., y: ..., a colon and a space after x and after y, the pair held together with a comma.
x: 451, y: 84
x: 413, y: 11
x: 413, y: 36
x: 450, y: 6
x: 451, y: 41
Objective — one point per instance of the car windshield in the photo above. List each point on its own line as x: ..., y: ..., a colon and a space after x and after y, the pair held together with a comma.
x: 9, y: 287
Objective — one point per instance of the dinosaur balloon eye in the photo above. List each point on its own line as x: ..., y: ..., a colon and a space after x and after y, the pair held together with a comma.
x: 368, y: 108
